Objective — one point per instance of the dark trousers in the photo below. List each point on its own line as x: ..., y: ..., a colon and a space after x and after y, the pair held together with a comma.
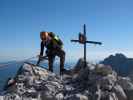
x: 51, y: 56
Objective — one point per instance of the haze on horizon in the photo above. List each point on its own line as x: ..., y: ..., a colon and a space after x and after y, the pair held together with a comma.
x: 108, y: 21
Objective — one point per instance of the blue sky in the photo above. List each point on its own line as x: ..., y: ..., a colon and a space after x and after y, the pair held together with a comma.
x: 108, y: 21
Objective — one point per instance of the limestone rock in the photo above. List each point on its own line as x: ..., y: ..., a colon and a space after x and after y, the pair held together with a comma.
x: 94, y: 82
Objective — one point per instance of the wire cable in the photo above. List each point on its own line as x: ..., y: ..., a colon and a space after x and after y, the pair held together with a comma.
x: 21, y: 61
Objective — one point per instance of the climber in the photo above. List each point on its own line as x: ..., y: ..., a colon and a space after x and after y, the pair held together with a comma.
x: 54, y: 48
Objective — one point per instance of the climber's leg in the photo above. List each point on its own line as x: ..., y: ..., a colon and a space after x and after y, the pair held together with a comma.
x: 61, y: 53
x: 50, y: 61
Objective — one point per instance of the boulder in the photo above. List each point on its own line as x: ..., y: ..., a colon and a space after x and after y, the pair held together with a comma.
x: 118, y: 90
x: 127, y: 85
x: 103, y: 70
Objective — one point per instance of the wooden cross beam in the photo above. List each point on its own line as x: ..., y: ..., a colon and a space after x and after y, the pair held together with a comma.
x: 83, y: 40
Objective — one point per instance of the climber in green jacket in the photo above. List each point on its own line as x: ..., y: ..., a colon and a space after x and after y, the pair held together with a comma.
x: 54, y: 48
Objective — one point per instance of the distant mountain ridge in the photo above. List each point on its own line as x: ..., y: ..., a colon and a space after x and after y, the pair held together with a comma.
x: 120, y: 63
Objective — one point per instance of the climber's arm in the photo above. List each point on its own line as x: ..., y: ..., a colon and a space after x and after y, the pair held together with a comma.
x: 41, y: 53
x: 42, y: 49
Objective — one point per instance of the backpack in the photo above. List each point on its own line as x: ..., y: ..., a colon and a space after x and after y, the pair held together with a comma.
x: 56, y: 39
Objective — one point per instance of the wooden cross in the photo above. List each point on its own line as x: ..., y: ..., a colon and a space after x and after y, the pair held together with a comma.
x: 83, y: 40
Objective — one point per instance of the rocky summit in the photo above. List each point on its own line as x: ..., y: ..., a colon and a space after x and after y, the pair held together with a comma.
x: 95, y: 82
